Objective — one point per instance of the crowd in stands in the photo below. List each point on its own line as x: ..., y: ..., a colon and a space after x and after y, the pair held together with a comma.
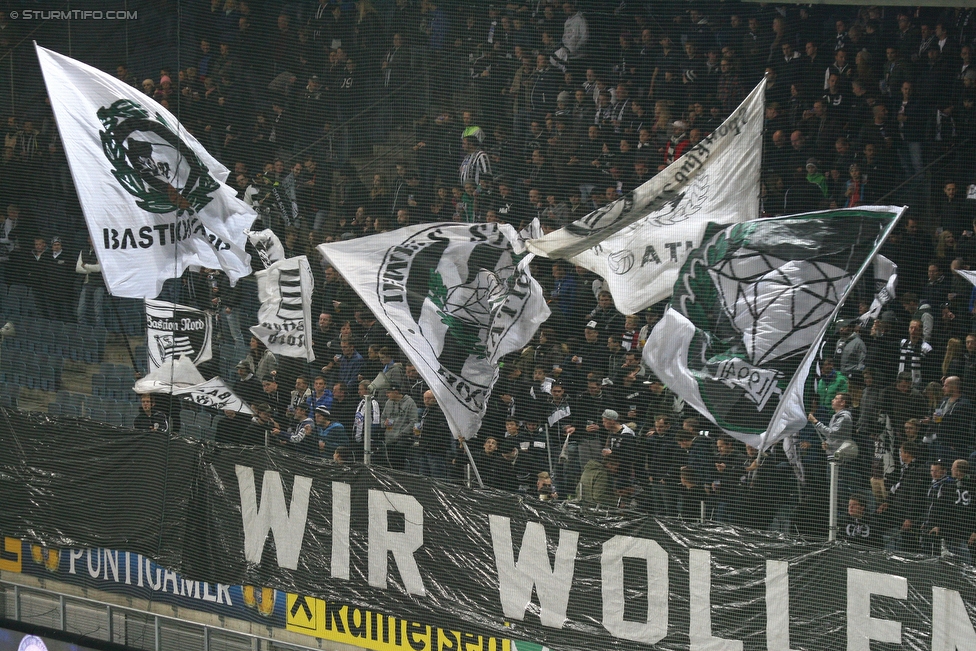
x: 344, y: 119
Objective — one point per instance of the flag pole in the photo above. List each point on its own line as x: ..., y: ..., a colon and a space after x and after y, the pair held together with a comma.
x: 832, y: 511
x: 368, y: 427
x: 467, y: 451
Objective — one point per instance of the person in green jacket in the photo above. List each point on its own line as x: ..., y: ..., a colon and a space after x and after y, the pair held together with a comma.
x: 596, y: 482
x: 816, y: 177
x: 830, y: 383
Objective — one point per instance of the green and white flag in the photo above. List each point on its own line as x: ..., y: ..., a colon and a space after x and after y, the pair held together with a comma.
x: 155, y: 201
x: 456, y: 298
x: 749, y: 309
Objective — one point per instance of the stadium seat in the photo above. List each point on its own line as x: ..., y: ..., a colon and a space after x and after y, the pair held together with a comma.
x: 127, y: 412
x: 57, y: 329
x: 32, y: 377
x: 11, y: 305
x: 50, y: 377
x: 115, y: 370
x: 125, y: 393
x: 205, y: 419
x: 54, y: 409
x: 18, y: 291
x: 9, y: 389
x: 98, y: 415
x: 99, y: 336
x: 88, y: 350
x: 13, y: 369
x: 66, y: 397
x: 188, y: 417
x: 72, y: 411
x: 100, y: 386
x: 192, y: 431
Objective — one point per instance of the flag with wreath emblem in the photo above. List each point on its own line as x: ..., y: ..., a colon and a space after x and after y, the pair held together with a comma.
x: 155, y: 201
x: 638, y: 243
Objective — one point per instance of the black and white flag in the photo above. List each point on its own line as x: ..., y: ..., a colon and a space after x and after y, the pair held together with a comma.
x: 267, y: 245
x: 174, y: 330
x: 749, y: 309
x: 885, y: 288
x: 214, y: 394
x: 455, y: 298
x: 179, y: 377
x: 285, y: 317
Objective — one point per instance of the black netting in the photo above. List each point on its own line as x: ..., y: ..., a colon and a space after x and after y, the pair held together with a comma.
x: 339, y: 120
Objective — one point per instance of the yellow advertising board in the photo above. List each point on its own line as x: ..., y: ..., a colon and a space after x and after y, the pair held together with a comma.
x: 11, y: 559
x: 368, y: 629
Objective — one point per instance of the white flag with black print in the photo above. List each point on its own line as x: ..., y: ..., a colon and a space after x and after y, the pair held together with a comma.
x: 638, y: 243
x: 885, y: 288
x: 285, y: 317
x: 214, y: 394
x: 267, y: 245
x: 749, y: 310
x: 180, y: 377
x: 174, y: 330
x: 155, y: 201
x: 455, y: 298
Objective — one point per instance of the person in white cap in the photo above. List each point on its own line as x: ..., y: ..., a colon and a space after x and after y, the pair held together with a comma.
x: 620, y: 438
x: 677, y: 144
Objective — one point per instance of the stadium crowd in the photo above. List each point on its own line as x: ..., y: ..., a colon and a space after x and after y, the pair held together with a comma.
x: 344, y: 119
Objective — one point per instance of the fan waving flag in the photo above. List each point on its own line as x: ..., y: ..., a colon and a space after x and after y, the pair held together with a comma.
x: 455, y: 298
x: 749, y: 309
x: 639, y: 242
x: 155, y: 201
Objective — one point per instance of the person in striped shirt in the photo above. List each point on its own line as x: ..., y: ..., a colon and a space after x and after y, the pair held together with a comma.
x: 475, y: 164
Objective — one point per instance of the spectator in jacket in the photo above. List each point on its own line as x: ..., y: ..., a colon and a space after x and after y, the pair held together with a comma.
x: 905, y: 506
x: 398, y: 418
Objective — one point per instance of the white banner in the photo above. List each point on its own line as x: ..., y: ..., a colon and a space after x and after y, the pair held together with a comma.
x: 455, y: 298
x: 174, y: 330
x: 155, y: 201
x: 285, y: 317
x: 214, y: 394
x: 638, y: 243
x: 268, y: 246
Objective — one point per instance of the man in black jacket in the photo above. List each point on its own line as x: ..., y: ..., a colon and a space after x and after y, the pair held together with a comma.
x: 435, y: 439
x: 905, y: 507
x: 262, y: 430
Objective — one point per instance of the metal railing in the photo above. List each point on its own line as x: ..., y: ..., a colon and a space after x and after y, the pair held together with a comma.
x: 126, y: 625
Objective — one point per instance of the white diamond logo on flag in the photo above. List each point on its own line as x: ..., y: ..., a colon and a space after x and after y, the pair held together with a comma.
x: 766, y: 297
x: 471, y: 304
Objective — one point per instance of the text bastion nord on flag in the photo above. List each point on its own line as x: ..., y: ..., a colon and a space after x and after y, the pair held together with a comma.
x: 155, y: 201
